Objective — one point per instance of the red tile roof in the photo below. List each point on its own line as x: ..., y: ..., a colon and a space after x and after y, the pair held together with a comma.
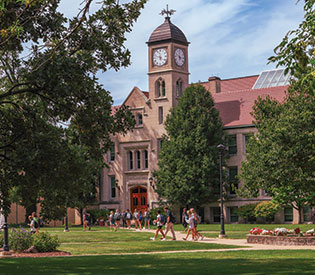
x: 236, y: 84
x: 235, y: 106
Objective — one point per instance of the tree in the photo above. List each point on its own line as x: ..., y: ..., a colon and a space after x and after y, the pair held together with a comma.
x: 188, y: 171
x: 280, y: 156
x: 48, y: 66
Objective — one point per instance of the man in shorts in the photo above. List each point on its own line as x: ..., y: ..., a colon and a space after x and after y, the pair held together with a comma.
x: 86, y: 221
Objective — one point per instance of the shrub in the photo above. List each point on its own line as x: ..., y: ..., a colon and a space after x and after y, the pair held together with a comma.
x: 266, y: 210
x: 20, y: 239
x: 247, y: 212
x: 44, y: 242
x: 96, y: 213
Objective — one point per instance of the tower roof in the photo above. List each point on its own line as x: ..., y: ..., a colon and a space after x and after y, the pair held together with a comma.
x: 167, y: 32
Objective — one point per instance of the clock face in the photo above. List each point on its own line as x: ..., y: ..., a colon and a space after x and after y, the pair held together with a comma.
x: 159, y: 57
x: 179, y: 57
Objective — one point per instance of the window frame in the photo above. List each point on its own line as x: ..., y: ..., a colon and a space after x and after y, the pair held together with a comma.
x: 232, y: 145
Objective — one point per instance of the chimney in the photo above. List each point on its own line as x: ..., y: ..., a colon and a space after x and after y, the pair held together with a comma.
x: 214, y: 84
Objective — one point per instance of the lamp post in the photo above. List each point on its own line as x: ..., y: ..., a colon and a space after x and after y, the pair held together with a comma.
x: 6, y: 248
x: 221, y: 149
x: 66, y: 218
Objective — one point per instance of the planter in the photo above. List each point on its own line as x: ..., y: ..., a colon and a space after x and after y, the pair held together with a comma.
x: 281, y: 240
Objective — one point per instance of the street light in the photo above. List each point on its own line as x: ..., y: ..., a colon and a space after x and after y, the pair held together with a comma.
x: 221, y: 149
x: 6, y: 248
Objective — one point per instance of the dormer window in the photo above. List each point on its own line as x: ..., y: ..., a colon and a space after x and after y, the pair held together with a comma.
x: 160, y: 88
x: 179, y: 88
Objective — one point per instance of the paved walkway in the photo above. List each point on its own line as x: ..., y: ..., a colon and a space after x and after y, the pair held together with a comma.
x: 237, y: 242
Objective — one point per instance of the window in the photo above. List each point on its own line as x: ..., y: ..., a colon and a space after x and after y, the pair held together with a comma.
x: 232, y: 145
x: 139, y: 120
x: 307, y: 211
x: 233, y: 214
x: 159, y: 144
x: 288, y: 214
x: 112, y: 152
x: 246, y: 141
x: 138, y: 160
x: 146, y: 159
x: 160, y: 88
x: 160, y: 115
x: 130, y: 160
x: 112, y: 186
x: 215, y: 214
x: 233, y: 181
x: 179, y: 88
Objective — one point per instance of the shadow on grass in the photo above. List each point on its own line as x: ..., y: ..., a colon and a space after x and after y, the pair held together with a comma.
x: 236, y: 262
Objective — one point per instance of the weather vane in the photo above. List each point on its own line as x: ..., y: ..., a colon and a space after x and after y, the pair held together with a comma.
x: 167, y: 12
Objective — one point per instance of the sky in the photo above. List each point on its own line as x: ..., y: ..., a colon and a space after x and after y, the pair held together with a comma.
x: 228, y: 38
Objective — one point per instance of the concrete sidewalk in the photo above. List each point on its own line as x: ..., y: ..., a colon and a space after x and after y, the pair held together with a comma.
x: 237, y: 242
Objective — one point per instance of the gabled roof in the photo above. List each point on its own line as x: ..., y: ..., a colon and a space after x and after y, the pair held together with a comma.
x: 235, y: 106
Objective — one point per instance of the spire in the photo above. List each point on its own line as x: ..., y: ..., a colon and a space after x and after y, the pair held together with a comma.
x: 167, y: 12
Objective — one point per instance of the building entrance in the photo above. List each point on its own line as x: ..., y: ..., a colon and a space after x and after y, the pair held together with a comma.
x: 138, y: 198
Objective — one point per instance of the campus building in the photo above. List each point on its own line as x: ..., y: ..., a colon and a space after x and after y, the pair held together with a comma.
x: 133, y: 157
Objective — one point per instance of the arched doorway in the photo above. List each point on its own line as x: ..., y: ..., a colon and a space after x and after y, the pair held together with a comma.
x: 138, y: 198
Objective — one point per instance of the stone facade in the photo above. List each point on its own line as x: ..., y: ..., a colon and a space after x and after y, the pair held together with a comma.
x: 281, y: 240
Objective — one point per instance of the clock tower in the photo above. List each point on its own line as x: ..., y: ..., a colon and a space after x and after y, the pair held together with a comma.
x: 168, y: 63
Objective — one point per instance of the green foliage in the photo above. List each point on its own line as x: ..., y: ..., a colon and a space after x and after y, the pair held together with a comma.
x: 55, y: 85
x: 96, y: 213
x: 267, y: 209
x: 44, y: 242
x: 1, y: 239
x: 20, y: 239
x: 280, y: 156
x: 188, y: 164
x: 247, y: 211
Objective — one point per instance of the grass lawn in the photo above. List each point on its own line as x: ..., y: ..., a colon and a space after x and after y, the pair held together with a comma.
x: 284, y: 262
x: 100, y: 241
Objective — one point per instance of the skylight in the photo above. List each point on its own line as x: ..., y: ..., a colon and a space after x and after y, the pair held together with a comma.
x: 272, y: 78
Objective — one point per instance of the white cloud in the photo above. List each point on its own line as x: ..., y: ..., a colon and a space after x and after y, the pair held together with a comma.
x: 229, y: 38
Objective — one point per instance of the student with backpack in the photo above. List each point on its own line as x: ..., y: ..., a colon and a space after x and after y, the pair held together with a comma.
x: 86, y: 221
x: 139, y: 220
x: 197, y: 220
x: 135, y: 216
x: 170, y: 220
x: 36, y: 222
x: 160, y: 220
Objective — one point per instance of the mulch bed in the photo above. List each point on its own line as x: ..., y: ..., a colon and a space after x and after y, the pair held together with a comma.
x: 42, y: 254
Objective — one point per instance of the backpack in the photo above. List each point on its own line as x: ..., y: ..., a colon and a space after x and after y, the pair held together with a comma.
x: 128, y: 216
x: 140, y: 217
x: 162, y: 219
x: 36, y: 222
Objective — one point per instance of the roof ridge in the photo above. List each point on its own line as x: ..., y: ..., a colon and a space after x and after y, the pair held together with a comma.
x: 247, y: 90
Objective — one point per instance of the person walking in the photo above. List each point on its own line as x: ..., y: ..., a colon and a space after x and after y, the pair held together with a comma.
x: 191, y: 226
x: 184, y: 218
x: 135, y: 216
x: 160, y: 220
x: 140, y: 218
x: 128, y: 218
x: 147, y: 218
x: 86, y: 221
x: 197, y: 220
x: 170, y: 220
x: 36, y: 222
x: 117, y: 217
x: 31, y: 224
x: 112, y: 221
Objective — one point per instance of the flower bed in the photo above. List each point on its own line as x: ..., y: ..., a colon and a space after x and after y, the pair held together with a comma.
x: 281, y: 236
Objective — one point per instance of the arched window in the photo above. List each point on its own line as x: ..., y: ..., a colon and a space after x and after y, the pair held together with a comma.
x: 138, y: 160
x: 160, y: 88
x: 179, y: 88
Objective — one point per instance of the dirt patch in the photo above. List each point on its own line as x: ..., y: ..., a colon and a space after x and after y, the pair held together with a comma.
x: 38, y: 255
